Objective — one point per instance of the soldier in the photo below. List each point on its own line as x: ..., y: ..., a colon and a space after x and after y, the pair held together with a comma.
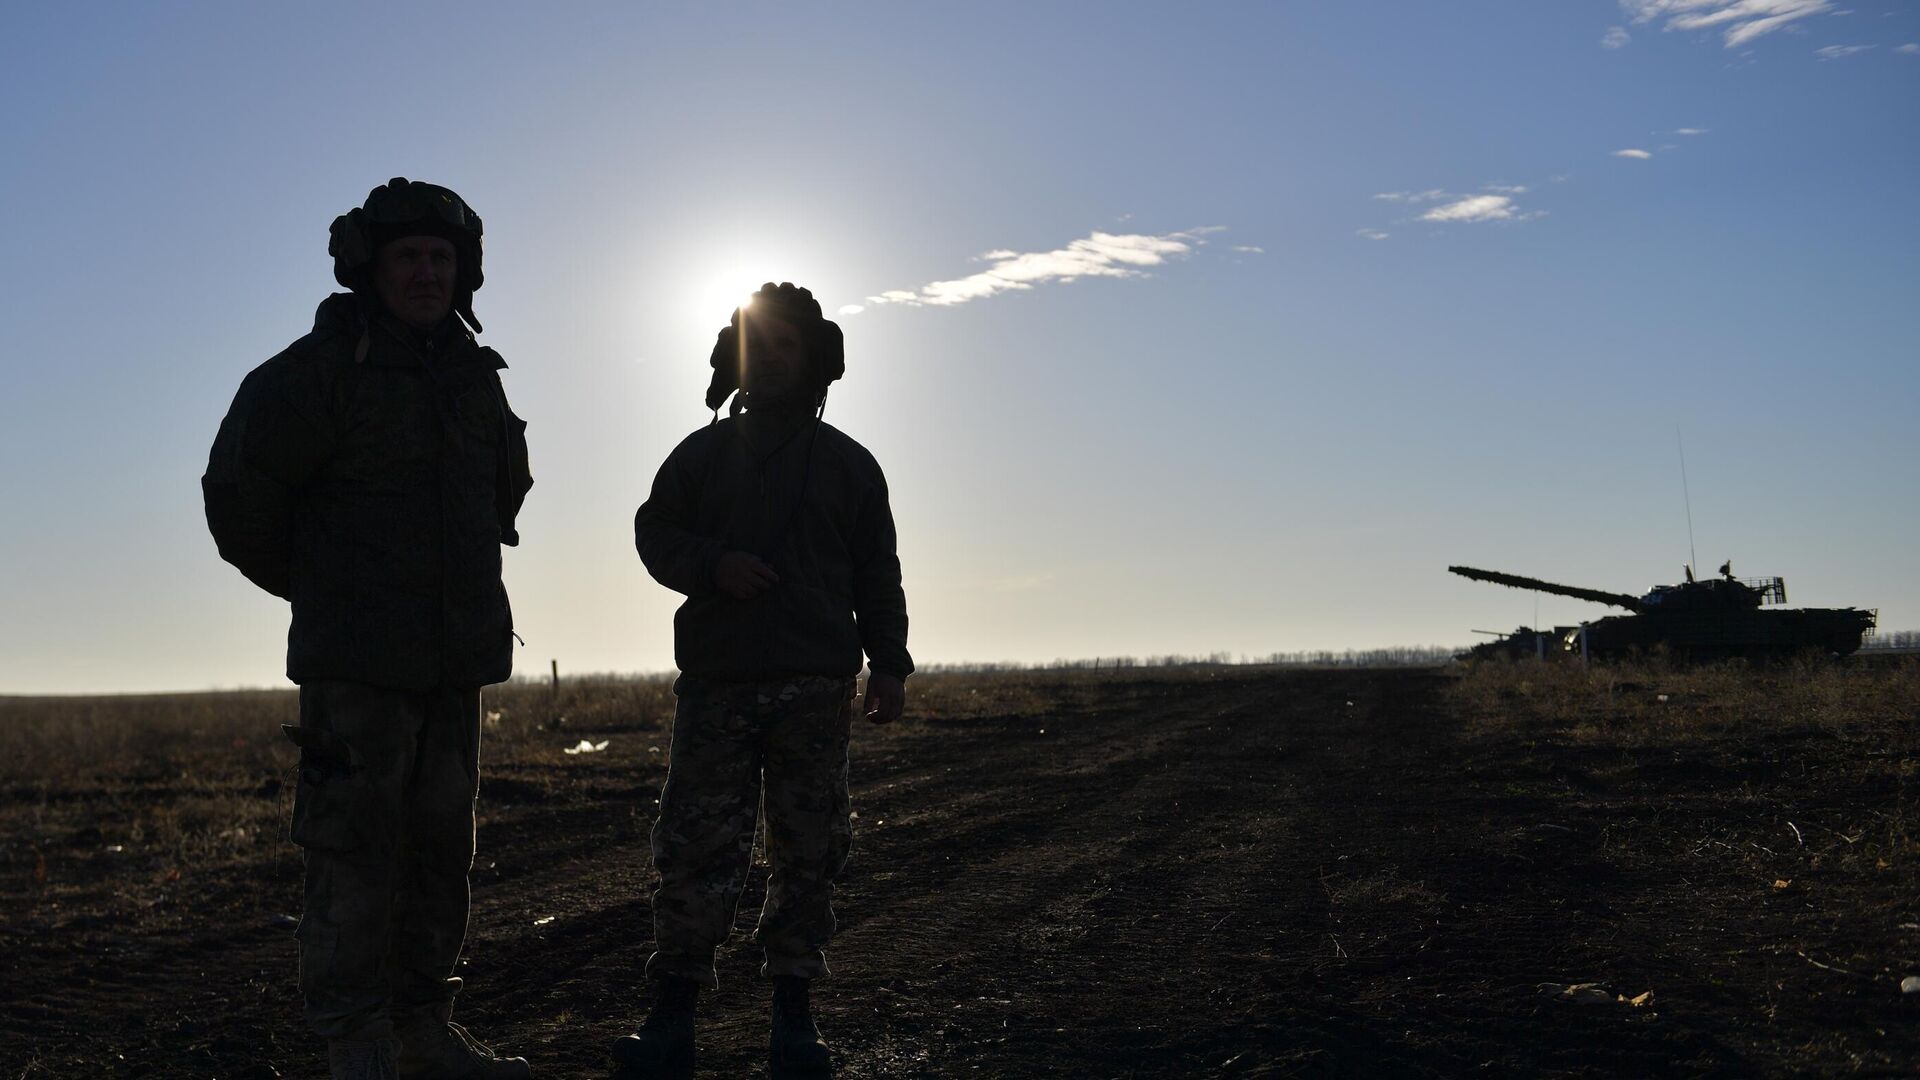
x: 369, y: 474
x: 776, y: 527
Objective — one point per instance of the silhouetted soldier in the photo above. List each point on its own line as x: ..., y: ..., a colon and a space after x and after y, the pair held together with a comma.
x: 776, y: 527
x: 369, y: 474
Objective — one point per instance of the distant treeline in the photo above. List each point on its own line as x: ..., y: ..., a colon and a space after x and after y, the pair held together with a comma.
x: 1391, y: 656
x: 1893, y: 639
x: 1395, y: 656
x: 1398, y: 656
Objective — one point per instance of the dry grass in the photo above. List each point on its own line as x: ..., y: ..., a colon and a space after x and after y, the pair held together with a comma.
x: 968, y: 695
x: 1655, y: 702
x: 204, y: 780
x: 168, y: 780
x: 63, y: 740
x: 1758, y: 730
x: 1378, y: 889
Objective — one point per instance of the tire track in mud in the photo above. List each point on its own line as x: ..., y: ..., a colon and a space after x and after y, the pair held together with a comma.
x: 1122, y: 920
x: 1247, y: 876
x: 1029, y: 895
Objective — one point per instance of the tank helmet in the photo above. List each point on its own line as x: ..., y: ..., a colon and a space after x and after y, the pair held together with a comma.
x: 402, y: 207
x: 826, y: 346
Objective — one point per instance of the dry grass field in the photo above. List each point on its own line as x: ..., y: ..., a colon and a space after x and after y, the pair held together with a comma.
x: 1513, y: 870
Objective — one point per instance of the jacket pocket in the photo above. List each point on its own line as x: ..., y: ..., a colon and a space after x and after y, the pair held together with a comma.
x: 481, y: 417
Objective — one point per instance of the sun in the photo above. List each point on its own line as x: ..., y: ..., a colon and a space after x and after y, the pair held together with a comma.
x: 713, y: 288
x: 728, y: 275
x: 716, y: 295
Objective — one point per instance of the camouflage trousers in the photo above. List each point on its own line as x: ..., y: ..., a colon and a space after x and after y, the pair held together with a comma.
x: 384, y: 810
x: 734, y: 743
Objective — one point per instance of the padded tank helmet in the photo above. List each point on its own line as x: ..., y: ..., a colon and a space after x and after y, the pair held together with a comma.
x: 402, y: 207
x: 826, y: 346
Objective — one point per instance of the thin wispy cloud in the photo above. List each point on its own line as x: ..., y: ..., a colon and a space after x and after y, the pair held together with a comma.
x: 1615, y: 37
x: 1739, y: 21
x: 1250, y: 249
x: 1494, y: 202
x: 1103, y: 254
x: 1835, y: 52
x: 1909, y: 49
x: 1477, y: 208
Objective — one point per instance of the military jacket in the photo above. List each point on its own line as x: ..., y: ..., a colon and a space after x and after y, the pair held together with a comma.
x: 811, y: 502
x: 369, y: 474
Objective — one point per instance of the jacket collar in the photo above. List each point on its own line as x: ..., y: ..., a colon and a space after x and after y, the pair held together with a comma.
x: 767, y: 431
x: 383, y: 341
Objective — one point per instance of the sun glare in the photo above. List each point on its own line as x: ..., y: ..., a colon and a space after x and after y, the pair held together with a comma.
x: 732, y: 272
x: 714, y: 290
x: 718, y: 294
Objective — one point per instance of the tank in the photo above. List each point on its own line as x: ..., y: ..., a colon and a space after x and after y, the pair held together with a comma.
x: 1716, y: 619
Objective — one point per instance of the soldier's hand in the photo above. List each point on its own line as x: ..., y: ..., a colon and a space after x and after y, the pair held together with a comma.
x: 743, y: 575
x: 886, y: 698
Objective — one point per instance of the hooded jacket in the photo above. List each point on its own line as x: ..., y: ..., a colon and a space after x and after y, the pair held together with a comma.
x: 810, y: 501
x: 369, y: 474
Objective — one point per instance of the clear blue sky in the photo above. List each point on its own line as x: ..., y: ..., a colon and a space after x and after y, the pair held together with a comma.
x: 1272, y: 429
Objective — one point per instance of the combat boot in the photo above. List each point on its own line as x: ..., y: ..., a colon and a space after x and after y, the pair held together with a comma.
x: 433, y: 1047
x: 663, y: 1047
x: 795, y: 1050
x: 363, y: 1059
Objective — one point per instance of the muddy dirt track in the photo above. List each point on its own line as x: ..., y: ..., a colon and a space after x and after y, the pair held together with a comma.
x: 1248, y: 875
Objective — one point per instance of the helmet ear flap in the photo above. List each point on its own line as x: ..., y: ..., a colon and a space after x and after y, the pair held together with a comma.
x: 829, y: 352
x: 463, y: 306
x: 725, y: 360
x: 476, y: 229
x: 350, y: 243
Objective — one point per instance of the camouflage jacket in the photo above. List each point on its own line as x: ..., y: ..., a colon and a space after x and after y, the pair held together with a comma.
x: 369, y: 475
x: 810, y: 501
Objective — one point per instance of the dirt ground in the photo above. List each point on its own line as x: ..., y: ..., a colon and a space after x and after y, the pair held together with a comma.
x: 1146, y: 874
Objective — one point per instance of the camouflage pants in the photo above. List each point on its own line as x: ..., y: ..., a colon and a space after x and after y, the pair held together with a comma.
x: 728, y: 740
x: 384, y: 811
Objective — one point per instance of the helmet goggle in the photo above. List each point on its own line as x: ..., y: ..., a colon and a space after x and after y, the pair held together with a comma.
x: 410, y: 201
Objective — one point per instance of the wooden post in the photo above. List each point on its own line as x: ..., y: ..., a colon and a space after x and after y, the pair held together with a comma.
x: 555, y: 665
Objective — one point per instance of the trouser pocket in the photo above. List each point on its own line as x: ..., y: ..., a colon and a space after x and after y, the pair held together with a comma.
x: 330, y: 797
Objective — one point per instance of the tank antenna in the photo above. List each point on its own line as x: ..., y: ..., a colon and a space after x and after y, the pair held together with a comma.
x: 1685, y: 494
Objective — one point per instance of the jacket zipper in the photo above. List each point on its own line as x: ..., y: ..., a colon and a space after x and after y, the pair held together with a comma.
x: 766, y: 621
x: 440, y: 413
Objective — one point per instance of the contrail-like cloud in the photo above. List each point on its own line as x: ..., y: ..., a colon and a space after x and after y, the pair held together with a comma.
x: 1739, y: 21
x: 1103, y: 254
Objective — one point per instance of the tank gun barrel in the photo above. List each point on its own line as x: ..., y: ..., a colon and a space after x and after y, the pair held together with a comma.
x: 1631, y: 603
